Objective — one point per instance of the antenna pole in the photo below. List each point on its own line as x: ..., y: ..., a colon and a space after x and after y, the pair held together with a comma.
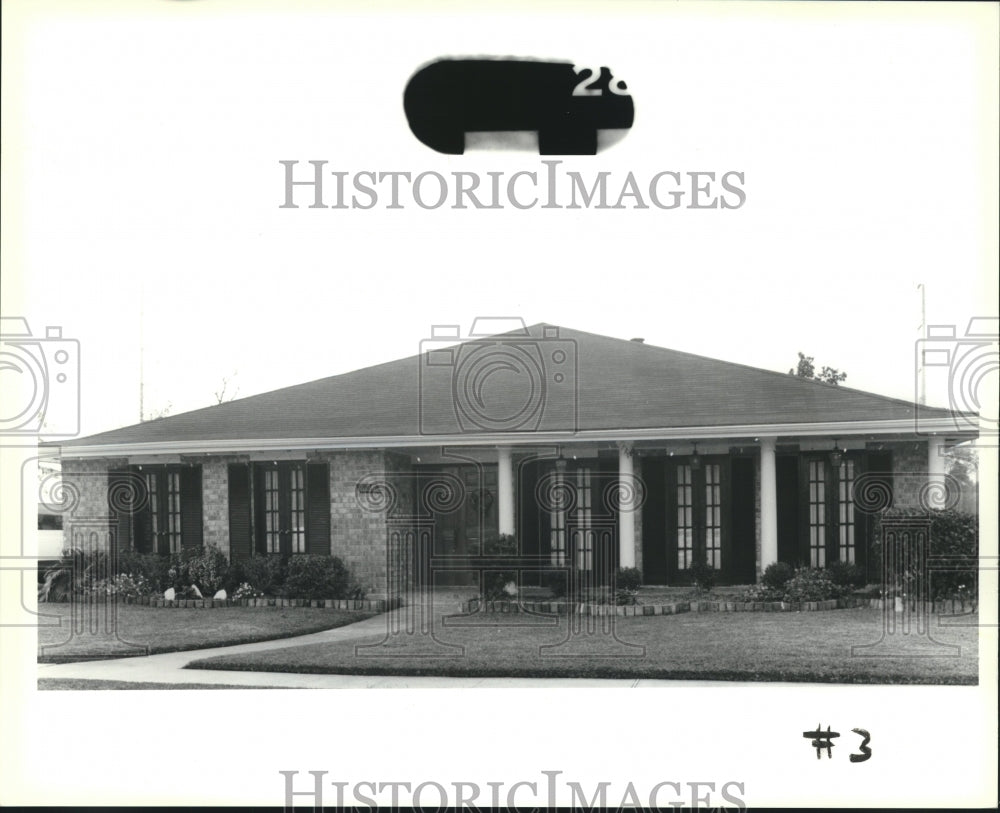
x: 142, y: 308
x: 923, y: 335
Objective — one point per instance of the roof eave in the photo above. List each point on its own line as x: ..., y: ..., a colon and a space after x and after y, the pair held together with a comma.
x: 945, y: 426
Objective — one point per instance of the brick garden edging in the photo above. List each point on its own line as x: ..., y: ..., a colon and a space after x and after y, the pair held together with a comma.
x: 376, y: 605
x: 676, y: 607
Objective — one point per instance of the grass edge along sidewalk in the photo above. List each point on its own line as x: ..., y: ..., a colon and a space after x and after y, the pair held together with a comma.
x: 787, y: 647
x: 141, y: 630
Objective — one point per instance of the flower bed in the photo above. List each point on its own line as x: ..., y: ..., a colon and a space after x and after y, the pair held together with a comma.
x: 674, y: 608
x: 372, y: 605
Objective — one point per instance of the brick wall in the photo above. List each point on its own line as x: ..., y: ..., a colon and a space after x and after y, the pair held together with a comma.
x: 215, y: 501
x: 357, y: 535
x: 909, y: 466
x: 84, y: 504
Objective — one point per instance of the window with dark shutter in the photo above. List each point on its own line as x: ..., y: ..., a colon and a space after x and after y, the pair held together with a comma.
x: 121, y: 509
x: 240, y: 527
x: 190, y: 519
x: 291, y: 507
x: 318, y: 498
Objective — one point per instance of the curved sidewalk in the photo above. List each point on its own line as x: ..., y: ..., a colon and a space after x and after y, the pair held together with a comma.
x: 168, y: 668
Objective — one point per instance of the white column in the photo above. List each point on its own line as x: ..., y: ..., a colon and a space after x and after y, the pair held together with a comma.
x: 936, y: 494
x: 936, y: 465
x: 768, y: 504
x: 626, y: 510
x: 505, y: 490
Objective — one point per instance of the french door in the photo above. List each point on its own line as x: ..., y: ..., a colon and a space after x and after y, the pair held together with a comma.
x: 698, y: 514
x: 832, y: 531
x: 281, y: 507
x: 168, y: 517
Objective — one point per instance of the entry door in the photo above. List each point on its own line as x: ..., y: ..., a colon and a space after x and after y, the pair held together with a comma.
x: 464, y: 528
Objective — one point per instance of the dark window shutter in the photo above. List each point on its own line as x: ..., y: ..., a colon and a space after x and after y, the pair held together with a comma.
x: 654, y: 521
x: 240, y: 542
x: 318, y: 508
x: 191, y: 521
x: 119, y: 484
x: 142, y: 519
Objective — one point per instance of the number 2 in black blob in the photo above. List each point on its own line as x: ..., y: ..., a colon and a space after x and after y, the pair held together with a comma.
x: 565, y: 104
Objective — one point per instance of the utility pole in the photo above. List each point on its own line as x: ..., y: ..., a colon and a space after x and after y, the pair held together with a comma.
x: 142, y: 307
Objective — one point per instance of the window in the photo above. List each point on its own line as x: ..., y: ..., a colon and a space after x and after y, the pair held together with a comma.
x: 584, y: 520
x: 830, y: 524
x: 292, y: 502
x: 713, y: 515
x: 298, y: 510
x: 557, y: 526
x: 168, y: 518
x: 845, y: 519
x: 817, y: 513
x: 272, y: 519
x: 699, y: 512
x: 685, y: 518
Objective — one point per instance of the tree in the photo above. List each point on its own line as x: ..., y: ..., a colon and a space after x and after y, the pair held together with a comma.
x: 156, y: 414
x: 220, y: 395
x: 806, y: 369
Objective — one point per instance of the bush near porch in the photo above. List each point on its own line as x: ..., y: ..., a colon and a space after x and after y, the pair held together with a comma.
x: 302, y: 576
x: 953, y: 534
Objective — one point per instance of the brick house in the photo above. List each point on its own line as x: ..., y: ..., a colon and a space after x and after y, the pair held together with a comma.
x: 594, y: 452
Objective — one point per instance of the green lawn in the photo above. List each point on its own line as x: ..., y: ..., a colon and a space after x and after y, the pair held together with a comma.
x: 136, y: 630
x: 788, y: 646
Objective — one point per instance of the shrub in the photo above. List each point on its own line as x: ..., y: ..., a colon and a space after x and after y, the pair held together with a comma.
x: 245, y: 590
x: 265, y: 573
x: 626, y: 597
x: 812, y: 584
x: 177, y: 571
x: 127, y: 585
x: 953, y: 534
x: 152, y: 566
x: 629, y: 578
x: 78, y: 571
x: 319, y: 576
x: 776, y: 576
x: 556, y: 581
x: 208, y: 569
x: 762, y: 592
x: 702, y: 575
x: 495, y: 584
x: 845, y: 574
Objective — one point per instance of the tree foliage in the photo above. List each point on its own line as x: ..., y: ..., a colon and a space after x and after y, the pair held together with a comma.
x: 807, y: 369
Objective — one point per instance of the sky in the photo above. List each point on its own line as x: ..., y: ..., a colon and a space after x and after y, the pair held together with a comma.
x: 148, y: 191
x: 142, y: 191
